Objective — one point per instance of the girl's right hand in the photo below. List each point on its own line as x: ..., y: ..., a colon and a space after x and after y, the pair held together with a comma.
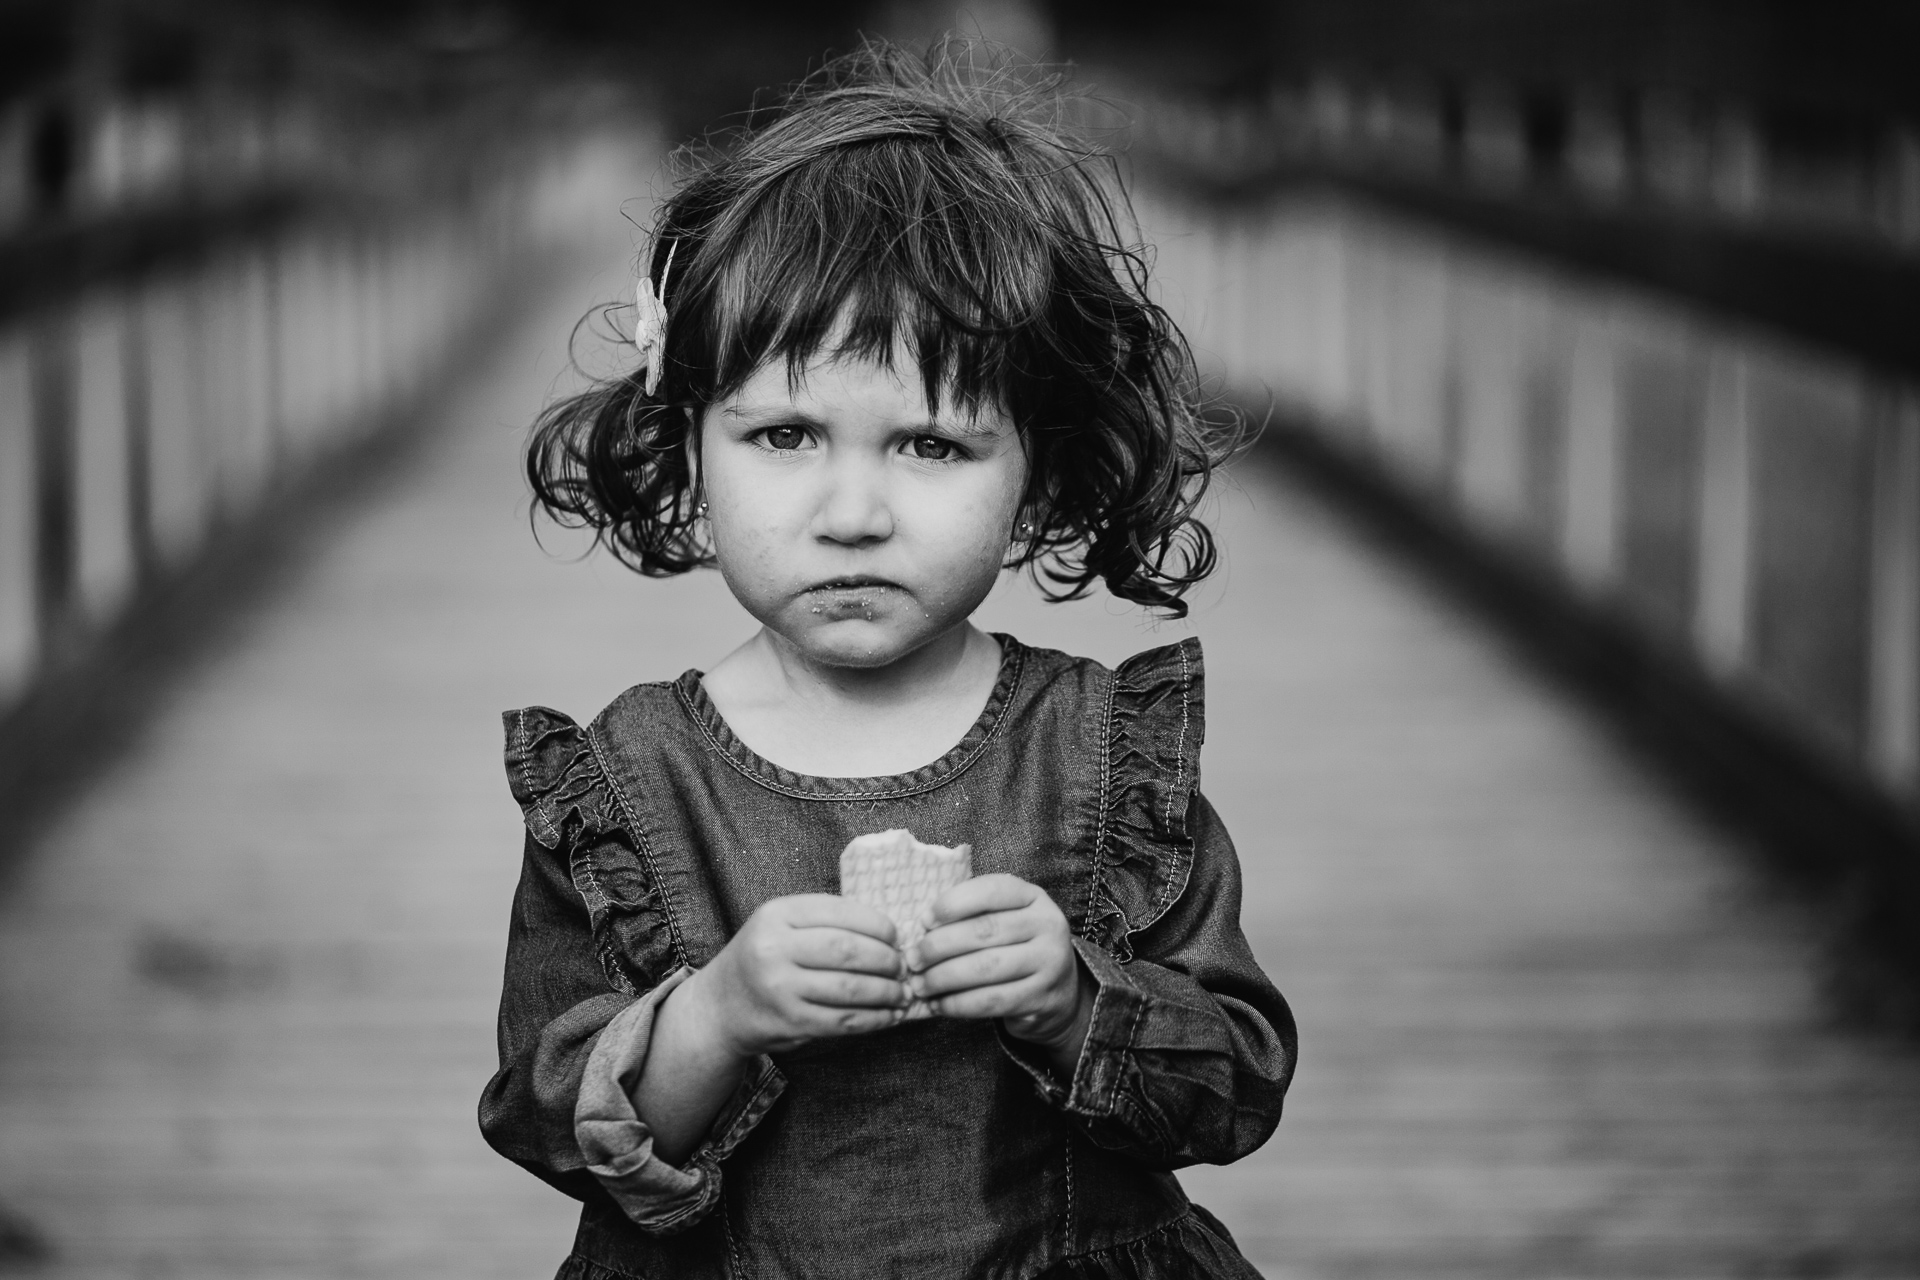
x: 804, y: 968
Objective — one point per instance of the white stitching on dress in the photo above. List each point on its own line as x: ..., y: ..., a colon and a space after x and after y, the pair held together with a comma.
x: 1068, y: 1244
x: 645, y: 849
x: 1180, y: 766
x: 738, y: 1268
x: 1180, y: 747
x: 1106, y: 807
x: 526, y: 776
x: 918, y: 788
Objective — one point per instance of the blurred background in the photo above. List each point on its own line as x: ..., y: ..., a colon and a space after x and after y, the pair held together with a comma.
x: 1566, y: 657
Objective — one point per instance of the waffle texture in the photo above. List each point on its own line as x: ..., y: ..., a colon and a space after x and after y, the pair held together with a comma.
x: 895, y: 873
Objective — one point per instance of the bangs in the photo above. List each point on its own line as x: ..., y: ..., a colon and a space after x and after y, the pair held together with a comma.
x: 928, y: 209
x: 917, y: 245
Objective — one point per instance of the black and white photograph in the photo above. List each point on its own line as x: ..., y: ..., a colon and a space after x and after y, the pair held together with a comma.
x: 1022, y: 640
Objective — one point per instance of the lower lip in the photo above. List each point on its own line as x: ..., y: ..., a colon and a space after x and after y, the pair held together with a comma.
x: 840, y: 604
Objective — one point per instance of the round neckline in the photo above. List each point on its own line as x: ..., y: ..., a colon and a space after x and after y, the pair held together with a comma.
x: 700, y: 707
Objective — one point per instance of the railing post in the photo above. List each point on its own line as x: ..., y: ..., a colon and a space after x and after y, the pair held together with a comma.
x: 1726, y: 515
x: 136, y: 390
x: 18, y: 629
x: 1590, y: 536
x: 1893, y: 685
x: 55, y: 540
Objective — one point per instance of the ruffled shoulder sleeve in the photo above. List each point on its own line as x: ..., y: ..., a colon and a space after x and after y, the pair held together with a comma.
x: 1156, y: 723
x: 551, y: 771
x: 572, y: 810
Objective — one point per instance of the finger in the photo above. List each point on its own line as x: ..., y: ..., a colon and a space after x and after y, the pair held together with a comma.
x: 854, y: 1022
x: 837, y: 990
x: 975, y: 933
x: 998, y: 892
x: 991, y: 967
x: 824, y: 947
x: 830, y: 910
x: 821, y: 1024
x: 1003, y: 1000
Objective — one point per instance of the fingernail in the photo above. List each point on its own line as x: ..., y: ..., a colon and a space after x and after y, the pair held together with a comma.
x: 913, y: 958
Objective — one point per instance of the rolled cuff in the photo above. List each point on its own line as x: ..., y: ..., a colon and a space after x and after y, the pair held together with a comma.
x: 618, y: 1145
x: 1118, y: 1006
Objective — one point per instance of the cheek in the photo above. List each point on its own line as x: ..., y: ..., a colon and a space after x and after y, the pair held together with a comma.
x: 1003, y: 505
x: 742, y: 515
x: 985, y: 525
x: 741, y: 542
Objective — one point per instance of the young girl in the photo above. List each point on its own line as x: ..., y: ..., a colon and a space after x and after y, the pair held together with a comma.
x: 889, y: 345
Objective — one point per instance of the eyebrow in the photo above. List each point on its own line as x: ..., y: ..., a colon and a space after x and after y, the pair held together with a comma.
x: 965, y: 429
x: 959, y: 429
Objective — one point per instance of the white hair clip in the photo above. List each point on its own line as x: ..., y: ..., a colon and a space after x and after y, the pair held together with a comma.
x: 650, y: 321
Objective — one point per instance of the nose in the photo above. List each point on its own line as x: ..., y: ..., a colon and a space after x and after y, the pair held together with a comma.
x: 854, y: 509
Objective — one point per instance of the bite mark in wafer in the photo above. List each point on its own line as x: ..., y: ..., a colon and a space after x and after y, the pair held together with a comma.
x: 900, y: 876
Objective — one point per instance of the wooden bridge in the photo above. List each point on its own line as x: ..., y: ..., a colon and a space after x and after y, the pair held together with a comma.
x: 1554, y: 1023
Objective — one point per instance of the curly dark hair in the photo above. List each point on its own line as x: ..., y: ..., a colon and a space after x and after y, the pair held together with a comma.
x: 899, y: 195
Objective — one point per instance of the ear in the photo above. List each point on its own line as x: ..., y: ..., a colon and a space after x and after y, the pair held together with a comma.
x: 1026, y: 524
x: 1032, y: 511
x: 690, y: 446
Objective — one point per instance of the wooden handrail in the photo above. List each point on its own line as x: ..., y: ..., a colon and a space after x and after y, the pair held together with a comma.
x: 1845, y: 294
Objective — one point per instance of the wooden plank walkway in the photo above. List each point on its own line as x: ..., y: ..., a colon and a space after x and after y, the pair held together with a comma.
x: 1551, y: 1025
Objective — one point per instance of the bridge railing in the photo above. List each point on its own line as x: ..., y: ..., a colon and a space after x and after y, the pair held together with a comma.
x: 1700, y: 436
x: 143, y: 416
x: 210, y: 287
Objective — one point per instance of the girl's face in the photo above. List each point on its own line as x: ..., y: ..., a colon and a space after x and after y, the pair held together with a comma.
x: 849, y: 521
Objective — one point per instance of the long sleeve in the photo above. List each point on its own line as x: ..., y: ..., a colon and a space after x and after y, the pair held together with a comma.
x: 555, y: 1001
x: 591, y: 954
x: 618, y: 1145
x: 1190, y: 1048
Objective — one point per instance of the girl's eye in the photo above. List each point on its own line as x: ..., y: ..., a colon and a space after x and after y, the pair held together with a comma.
x: 784, y: 439
x: 932, y: 448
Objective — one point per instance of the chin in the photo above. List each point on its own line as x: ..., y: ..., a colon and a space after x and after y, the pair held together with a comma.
x: 859, y: 646
x: 864, y: 657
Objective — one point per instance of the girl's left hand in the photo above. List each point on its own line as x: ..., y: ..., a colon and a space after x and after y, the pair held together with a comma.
x: 999, y: 948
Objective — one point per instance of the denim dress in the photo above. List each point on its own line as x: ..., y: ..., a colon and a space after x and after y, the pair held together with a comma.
x: 935, y: 1148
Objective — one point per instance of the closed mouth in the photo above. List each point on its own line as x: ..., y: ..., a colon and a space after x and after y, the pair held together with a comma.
x: 852, y: 584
